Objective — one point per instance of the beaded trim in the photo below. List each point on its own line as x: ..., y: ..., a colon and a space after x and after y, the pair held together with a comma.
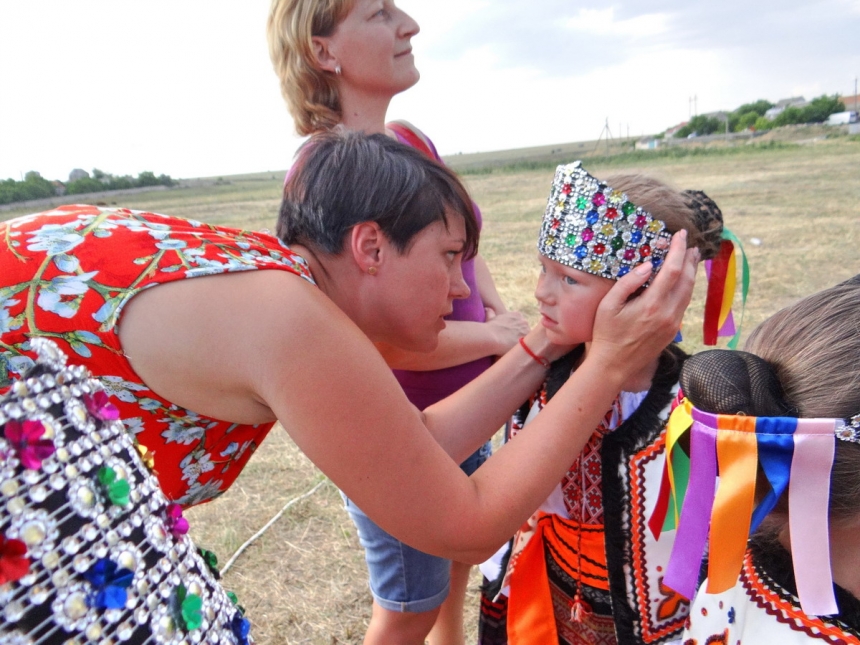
x: 850, y: 431
x: 90, y: 548
x: 591, y: 227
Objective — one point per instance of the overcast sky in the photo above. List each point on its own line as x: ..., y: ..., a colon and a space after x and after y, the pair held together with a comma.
x: 185, y: 87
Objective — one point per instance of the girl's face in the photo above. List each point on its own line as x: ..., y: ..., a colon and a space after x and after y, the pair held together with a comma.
x: 372, y: 46
x: 568, y: 300
x: 418, y: 287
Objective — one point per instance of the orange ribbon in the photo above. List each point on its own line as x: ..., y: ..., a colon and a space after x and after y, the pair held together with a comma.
x: 737, y: 455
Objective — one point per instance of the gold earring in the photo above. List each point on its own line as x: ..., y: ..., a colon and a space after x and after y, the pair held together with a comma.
x: 372, y: 270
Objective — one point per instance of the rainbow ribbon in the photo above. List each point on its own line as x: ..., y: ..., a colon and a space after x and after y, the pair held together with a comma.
x: 722, y: 282
x: 794, y: 454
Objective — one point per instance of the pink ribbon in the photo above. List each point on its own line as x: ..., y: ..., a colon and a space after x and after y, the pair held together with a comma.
x: 808, y: 503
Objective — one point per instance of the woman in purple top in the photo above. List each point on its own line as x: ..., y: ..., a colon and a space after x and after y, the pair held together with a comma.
x: 340, y: 62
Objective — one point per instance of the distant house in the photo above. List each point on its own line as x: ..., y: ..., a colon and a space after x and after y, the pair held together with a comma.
x: 671, y: 131
x: 779, y: 108
x: 59, y: 188
x: 77, y: 174
x: 647, y: 143
x: 851, y: 102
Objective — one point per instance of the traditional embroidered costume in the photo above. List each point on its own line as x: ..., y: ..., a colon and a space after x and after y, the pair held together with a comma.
x: 763, y: 607
x: 585, y: 569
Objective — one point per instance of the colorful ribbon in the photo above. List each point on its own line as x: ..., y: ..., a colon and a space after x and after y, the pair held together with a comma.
x: 737, y: 456
x: 722, y: 282
x: 682, y: 572
x: 793, y: 453
x: 808, y: 506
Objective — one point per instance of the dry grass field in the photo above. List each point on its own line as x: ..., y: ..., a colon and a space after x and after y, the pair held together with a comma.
x: 304, y: 580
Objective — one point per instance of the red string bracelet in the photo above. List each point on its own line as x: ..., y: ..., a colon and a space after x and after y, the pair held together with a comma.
x: 539, y: 359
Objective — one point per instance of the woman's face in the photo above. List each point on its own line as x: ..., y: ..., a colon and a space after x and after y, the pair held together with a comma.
x: 420, y: 286
x: 372, y: 47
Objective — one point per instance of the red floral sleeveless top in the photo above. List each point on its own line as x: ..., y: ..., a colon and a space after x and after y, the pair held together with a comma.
x: 66, y: 275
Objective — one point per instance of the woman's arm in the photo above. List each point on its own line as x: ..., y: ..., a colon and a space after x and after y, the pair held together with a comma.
x: 285, y: 350
x: 461, y: 342
x: 487, y: 287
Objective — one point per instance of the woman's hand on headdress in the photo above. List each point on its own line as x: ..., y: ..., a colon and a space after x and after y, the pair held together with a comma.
x: 630, y: 332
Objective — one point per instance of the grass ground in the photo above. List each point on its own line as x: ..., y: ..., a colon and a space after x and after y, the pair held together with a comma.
x: 304, y: 580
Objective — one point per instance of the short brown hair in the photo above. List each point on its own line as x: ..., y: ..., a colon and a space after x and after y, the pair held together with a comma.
x: 342, y: 178
x: 667, y: 204
x: 310, y: 92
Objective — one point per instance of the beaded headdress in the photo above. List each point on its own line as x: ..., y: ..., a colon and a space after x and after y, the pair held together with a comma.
x: 90, y: 548
x: 709, y: 494
x: 591, y: 227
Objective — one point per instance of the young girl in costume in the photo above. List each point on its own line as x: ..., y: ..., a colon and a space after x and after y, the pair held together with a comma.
x: 799, y: 390
x: 578, y: 572
x: 340, y: 62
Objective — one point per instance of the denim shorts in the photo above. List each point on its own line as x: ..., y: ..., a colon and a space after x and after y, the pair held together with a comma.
x: 402, y: 578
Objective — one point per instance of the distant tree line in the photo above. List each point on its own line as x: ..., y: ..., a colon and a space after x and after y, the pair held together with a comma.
x: 752, y: 115
x: 35, y: 186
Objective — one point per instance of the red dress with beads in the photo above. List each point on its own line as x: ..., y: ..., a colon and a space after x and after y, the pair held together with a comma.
x: 66, y: 275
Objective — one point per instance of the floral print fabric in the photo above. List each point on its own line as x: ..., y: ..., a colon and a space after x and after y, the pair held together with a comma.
x: 66, y: 275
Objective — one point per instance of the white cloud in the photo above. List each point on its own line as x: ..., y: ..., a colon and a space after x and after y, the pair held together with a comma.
x: 604, y: 23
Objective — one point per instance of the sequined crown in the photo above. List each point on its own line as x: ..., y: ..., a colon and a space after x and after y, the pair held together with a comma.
x: 591, y: 227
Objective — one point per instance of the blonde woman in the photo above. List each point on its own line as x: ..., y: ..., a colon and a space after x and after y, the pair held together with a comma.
x: 340, y: 63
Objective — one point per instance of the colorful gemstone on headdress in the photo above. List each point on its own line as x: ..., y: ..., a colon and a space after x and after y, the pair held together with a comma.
x: 585, y: 219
